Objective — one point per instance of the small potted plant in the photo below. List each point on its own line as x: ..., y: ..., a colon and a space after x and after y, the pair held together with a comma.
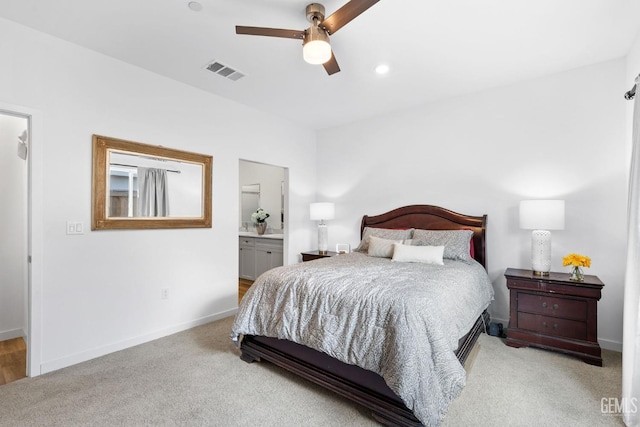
x: 259, y: 218
x: 576, y: 261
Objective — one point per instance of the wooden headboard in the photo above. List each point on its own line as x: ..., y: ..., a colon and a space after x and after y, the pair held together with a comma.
x: 429, y: 217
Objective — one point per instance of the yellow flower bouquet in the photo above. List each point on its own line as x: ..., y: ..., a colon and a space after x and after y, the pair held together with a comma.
x: 577, y: 261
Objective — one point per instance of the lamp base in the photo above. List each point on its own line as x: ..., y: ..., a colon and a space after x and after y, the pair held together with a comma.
x: 323, y: 239
x: 541, y: 252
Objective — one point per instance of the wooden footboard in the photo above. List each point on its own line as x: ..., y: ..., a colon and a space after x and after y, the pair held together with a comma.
x: 352, y: 382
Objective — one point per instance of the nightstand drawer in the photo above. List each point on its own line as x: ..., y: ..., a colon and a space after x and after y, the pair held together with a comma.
x: 552, y: 326
x: 552, y: 306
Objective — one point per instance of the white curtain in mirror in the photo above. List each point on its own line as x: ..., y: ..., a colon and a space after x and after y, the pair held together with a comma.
x: 153, y: 192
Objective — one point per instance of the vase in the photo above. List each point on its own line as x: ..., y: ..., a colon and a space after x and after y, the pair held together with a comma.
x: 577, y: 275
x: 261, y: 227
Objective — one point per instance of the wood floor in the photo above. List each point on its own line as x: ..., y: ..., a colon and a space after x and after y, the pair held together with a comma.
x: 13, y: 360
x: 243, y: 286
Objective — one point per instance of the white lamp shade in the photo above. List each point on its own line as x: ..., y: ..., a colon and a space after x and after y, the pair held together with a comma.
x: 542, y: 214
x: 321, y: 211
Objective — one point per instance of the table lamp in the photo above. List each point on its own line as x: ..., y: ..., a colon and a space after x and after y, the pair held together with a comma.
x: 541, y: 216
x: 320, y: 212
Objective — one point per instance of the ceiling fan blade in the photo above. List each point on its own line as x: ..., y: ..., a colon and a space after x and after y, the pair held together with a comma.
x: 346, y: 14
x: 270, y: 32
x: 331, y: 66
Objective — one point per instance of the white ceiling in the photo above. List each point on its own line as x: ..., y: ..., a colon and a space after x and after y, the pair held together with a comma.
x: 435, y: 48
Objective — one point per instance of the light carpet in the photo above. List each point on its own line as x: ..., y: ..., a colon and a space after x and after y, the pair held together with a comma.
x: 196, y: 378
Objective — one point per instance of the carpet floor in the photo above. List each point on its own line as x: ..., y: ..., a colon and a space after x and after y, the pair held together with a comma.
x: 196, y: 378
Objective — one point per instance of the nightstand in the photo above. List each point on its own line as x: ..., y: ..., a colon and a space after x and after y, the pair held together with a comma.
x: 311, y: 255
x: 554, y: 313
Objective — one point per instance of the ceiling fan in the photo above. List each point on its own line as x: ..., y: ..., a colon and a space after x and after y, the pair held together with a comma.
x: 315, y: 39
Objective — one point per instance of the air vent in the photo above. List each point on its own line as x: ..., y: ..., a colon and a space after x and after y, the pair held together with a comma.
x: 224, y: 71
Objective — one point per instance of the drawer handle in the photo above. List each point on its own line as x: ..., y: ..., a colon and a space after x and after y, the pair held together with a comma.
x: 555, y: 306
x: 268, y: 252
x: 544, y: 305
x: 555, y: 325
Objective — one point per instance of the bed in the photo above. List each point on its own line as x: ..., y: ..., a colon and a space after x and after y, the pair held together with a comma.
x: 263, y: 332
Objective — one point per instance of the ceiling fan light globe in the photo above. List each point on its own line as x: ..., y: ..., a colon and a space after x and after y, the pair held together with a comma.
x: 316, y: 52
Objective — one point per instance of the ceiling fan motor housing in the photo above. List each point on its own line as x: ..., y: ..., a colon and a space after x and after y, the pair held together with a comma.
x: 316, y: 47
x: 315, y: 10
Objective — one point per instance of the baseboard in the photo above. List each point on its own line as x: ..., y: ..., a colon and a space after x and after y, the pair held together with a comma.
x: 610, y: 345
x: 66, y: 361
x: 13, y: 333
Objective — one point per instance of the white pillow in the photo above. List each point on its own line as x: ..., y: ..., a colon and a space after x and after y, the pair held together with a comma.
x: 425, y: 254
x: 381, y: 248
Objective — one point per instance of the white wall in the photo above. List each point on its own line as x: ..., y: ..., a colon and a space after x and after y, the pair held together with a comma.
x: 101, y: 290
x: 561, y: 136
x: 13, y: 229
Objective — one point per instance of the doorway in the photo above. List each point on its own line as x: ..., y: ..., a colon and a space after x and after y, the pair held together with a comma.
x: 14, y: 266
x: 32, y: 255
x: 261, y: 186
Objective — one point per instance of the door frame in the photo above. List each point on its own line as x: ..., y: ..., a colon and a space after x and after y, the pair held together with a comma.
x: 34, y: 233
x: 285, y: 202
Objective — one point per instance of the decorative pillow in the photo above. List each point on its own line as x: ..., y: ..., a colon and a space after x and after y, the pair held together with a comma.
x: 381, y: 248
x: 425, y: 254
x: 383, y: 233
x: 455, y: 242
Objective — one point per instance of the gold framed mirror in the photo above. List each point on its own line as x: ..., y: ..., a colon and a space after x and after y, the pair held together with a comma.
x: 140, y: 186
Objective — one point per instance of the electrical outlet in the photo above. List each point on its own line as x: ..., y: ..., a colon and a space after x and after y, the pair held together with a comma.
x: 164, y: 293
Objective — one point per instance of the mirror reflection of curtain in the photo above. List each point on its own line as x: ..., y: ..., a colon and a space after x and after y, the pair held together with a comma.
x: 153, y: 193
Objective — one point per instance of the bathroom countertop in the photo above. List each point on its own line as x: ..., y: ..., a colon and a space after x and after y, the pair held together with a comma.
x: 263, y: 236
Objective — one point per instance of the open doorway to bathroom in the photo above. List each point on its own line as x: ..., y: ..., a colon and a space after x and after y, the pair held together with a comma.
x: 14, y: 268
x: 261, y: 186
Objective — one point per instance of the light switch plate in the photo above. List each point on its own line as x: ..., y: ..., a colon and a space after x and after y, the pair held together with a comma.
x: 75, y: 227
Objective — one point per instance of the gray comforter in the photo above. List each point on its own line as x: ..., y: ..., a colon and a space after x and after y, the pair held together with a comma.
x: 400, y: 320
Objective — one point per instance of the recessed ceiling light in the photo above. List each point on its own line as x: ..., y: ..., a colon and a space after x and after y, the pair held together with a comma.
x: 195, y: 6
x: 382, y: 69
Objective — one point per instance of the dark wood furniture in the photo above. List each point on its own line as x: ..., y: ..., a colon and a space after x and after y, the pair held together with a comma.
x: 359, y: 385
x: 554, y: 313
x: 311, y: 255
